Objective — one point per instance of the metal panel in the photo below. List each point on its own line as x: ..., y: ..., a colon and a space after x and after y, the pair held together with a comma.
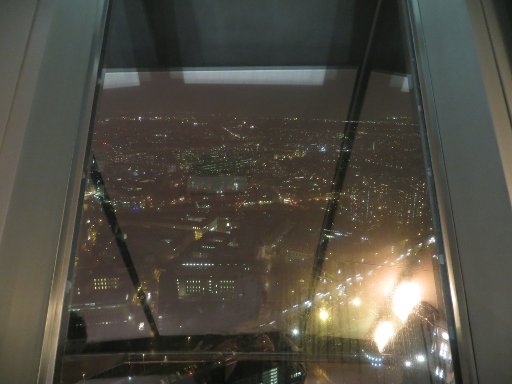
x: 469, y: 137
x: 497, y: 16
x: 15, y: 23
x: 497, y: 77
x: 33, y: 237
x: 20, y: 49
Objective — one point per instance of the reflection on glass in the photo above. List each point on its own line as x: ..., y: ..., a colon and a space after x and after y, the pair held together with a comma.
x: 238, y: 227
x: 503, y: 10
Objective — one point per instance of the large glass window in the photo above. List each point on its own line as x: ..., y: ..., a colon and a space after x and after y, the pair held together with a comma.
x: 257, y: 204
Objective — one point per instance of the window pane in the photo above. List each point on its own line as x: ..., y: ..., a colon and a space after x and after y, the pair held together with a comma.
x: 257, y: 208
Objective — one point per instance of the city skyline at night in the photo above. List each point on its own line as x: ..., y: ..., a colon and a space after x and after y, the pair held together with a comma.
x: 260, y: 181
x: 220, y: 216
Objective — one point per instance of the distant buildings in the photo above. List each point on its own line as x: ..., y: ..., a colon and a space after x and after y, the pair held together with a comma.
x: 222, y: 217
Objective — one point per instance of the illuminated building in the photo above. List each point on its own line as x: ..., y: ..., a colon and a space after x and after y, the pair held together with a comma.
x: 217, y: 165
x: 217, y: 184
x: 214, y: 274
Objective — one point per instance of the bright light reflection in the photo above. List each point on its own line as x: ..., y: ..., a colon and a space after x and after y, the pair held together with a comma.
x: 323, y: 314
x: 406, y: 296
x: 420, y: 358
x: 356, y: 302
x: 295, y: 332
x: 383, y: 334
x: 311, y: 76
x: 121, y: 80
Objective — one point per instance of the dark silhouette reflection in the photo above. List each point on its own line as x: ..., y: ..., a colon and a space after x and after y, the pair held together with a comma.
x: 77, y: 333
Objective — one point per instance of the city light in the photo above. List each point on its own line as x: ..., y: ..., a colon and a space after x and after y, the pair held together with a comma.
x: 199, y: 247
x: 323, y: 314
x: 383, y: 334
x: 356, y: 302
x: 440, y: 372
x: 406, y: 296
x: 444, y: 351
x: 420, y: 358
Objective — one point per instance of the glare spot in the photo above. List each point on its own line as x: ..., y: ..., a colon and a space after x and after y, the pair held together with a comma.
x: 323, y: 314
x: 356, y: 302
x: 383, y: 334
x: 420, y: 358
x: 406, y: 296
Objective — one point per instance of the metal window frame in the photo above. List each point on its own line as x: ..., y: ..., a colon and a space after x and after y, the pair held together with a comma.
x: 470, y: 139
x: 467, y: 118
x: 499, y: 48
x: 47, y: 129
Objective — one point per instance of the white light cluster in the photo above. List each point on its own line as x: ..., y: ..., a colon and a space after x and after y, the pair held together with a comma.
x: 440, y: 372
x: 406, y: 296
x: 376, y: 361
x: 383, y: 334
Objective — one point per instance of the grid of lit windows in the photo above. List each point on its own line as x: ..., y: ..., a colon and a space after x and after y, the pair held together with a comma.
x: 226, y: 286
x: 105, y: 283
x: 193, y: 286
x: 271, y: 376
x: 199, y: 286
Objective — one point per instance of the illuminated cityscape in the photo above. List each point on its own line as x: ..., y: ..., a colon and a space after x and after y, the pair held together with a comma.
x: 259, y: 225
x: 222, y: 214
x: 254, y: 219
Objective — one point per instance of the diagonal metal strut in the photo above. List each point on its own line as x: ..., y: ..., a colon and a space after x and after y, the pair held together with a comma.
x: 346, y: 145
x: 111, y: 216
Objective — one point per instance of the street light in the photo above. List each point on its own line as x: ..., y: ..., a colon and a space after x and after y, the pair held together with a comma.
x: 323, y: 314
x: 356, y: 302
